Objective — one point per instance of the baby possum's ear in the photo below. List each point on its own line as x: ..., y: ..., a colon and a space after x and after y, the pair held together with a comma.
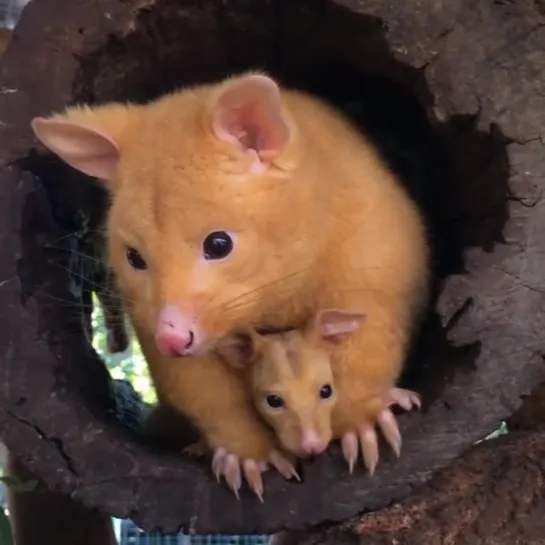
x: 247, y: 112
x: 333, y: 326
x: 240, y: 348
x: 87, y: 139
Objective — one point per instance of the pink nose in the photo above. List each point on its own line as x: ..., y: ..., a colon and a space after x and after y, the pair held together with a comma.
x: 311, y: 442
x: 176, y: 333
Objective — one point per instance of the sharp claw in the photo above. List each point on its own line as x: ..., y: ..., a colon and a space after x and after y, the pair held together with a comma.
x: 350, y: 448
x: 388, y: 424
x: 295, y: 474
x: 369, y: 447
x: 283, y: 465
x: 232, y: 473
x: 252, y: 475
x: 218, y: 463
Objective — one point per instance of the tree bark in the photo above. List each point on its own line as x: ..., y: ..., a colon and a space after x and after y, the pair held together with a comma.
x: 452, y: 92
x: 492, y: 495
x: 41, y: 516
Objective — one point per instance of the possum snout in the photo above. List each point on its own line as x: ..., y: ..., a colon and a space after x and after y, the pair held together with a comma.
x: 311, y: 443
x: 177, y: 333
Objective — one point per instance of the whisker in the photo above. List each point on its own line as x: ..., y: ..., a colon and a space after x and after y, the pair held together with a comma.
x: 224, y: 305
x: 81, y: 276
x: 288, y: 293
x: 244, y: 299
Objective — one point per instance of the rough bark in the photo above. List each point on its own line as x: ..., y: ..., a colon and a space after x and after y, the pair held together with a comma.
x: 454, y: 94
x: 40, y: 515
x: 493, y: 494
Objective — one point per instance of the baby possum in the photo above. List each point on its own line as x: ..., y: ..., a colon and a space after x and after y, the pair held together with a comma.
x: 290, y: 378
x: 292, y: 382
x: 241, y: 203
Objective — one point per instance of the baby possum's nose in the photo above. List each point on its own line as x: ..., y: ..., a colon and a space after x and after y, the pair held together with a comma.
x: 311, y: 444
x: 176, y: 333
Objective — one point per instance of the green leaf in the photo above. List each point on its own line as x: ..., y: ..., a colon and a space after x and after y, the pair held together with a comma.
x: 16, y: 485
x: 6, y: 534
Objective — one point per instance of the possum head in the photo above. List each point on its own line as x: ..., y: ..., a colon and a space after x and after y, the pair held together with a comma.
x: 210, y: 223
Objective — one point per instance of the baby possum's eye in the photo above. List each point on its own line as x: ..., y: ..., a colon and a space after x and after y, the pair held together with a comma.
x: 326, y: 391
x: 217, y: 245
x: 274, y: 401
x: 135, y: 259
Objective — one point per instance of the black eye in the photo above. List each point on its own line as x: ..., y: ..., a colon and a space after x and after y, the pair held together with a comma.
x: 135, y: 259
x: 274, y: 401
x: 326, y: 391
x: 217, y: 245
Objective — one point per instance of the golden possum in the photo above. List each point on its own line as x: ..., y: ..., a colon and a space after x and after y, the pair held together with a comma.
x: 240, y: 203
x: 290, y: 377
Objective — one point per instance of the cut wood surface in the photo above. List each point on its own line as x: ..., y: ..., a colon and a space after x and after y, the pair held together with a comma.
x: 494, y: 495
x: 462, y: 84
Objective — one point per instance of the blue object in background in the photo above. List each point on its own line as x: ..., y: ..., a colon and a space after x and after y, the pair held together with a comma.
x: 127, y: 533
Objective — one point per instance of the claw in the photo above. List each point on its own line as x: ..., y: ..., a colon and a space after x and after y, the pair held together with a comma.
x: 369, y: 446
x: 388, y: 424
x: 283, y: 465
x: 367, y: 435
x: 406, y: 399
x: 235, y: 471
x: 350, y: 448
x: 218, y: 462
x: 252, y: 473
x: 232, y: 473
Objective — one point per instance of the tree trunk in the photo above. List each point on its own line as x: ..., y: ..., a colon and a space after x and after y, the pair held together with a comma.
x: 452, y: 92
x: 41, y: 516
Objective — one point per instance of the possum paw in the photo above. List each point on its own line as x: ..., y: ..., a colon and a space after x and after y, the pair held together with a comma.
x: 198, y: 449
x: 236, y: 470
x: 366, y: 435
x: 406, y: 399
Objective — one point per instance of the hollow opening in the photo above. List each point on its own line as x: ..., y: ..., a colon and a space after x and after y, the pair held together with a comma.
x: 457, y: 174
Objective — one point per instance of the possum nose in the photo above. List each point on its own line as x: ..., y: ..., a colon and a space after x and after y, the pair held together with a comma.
x: 176, y: 332
x: 311, y: 442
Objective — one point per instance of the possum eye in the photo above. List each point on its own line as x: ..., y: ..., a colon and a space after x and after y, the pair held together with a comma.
x: 217, y: 245
x: 274, y: 401
x: 326, y: 391
x: 135, y: 259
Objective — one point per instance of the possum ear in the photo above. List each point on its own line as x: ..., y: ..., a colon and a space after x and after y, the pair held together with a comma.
x: 334, y: 325
x: 86, y: 149
x: 248, y: 113
x: 240, y: 348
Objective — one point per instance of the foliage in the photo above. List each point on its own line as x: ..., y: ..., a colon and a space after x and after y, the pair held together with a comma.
x: 129, y: 365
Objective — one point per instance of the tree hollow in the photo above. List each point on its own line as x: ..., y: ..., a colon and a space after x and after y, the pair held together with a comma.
x: 454, y: 95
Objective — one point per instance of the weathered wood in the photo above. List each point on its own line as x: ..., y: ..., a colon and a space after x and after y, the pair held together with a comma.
x: 494, y: 495
x: 41, y: 516
x: 453, y: 92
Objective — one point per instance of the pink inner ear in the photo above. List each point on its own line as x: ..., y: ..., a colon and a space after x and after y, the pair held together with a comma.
x: 85, y: 149
x: 249, y: 115
x: 336, y: 324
